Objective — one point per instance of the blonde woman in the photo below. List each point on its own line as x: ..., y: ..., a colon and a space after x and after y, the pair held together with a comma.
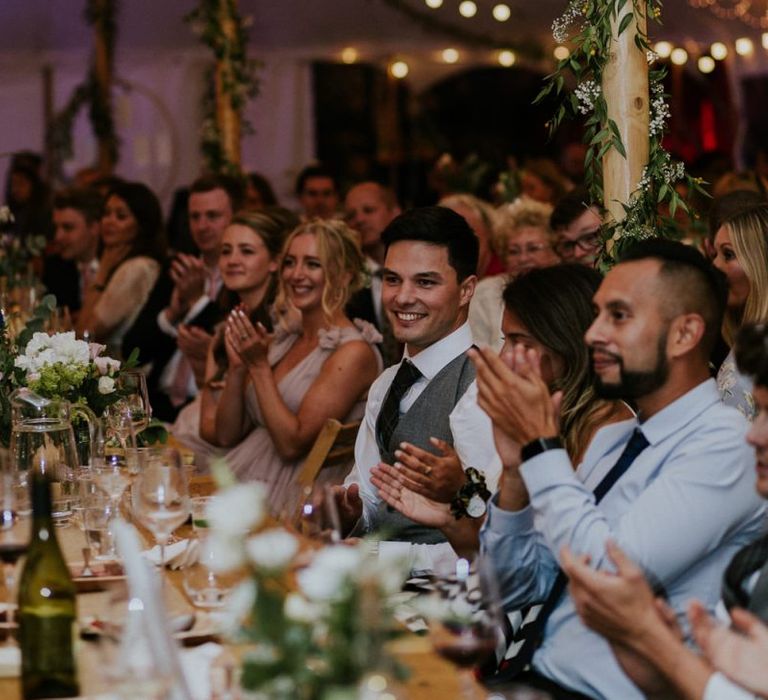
x: 316, y: 365
x: 524, y: 242
x: 741, y: 253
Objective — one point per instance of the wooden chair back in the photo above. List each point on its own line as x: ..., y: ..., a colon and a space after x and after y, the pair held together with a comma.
x: 334, y: 446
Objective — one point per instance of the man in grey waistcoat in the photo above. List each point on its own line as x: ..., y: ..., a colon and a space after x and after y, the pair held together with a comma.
x: 424, y: 408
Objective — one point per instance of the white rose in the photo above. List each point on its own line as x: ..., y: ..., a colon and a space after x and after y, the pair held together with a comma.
x: 222, y: 553
x: 106, y: 385
x: 273, y: 550
x: 237, y: 509
x: 239, y: 604
x: 299, y: 609
x: 95, y: 349
x: 330, y: 569
x: 106, y: 365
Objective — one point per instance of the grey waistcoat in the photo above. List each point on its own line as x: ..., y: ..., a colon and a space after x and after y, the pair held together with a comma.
x: 427, y: 417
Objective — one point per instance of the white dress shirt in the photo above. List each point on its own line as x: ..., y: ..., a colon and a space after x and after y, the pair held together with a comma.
x: 686, y: 505
x: 472, y: 436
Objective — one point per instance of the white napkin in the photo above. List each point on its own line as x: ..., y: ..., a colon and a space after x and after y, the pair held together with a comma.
x: 177, y: 555
x: 196, y: 664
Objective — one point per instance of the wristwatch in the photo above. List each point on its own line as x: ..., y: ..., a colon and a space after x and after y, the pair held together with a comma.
x: 539, y: 445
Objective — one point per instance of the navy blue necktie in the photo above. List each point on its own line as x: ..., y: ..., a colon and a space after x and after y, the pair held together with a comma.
x: 389, y: 415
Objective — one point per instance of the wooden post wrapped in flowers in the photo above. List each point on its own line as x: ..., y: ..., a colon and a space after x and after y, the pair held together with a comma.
x: 306, y: 636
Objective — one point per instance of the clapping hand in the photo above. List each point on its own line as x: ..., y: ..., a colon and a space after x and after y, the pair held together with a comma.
x: 390, y: 481
x: 436, y: 477
x: 512, y: 392
x: 188, y: 276
x: 249, y: 342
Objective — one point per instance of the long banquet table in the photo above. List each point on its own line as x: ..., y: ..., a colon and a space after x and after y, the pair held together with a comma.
x: 431, y: 677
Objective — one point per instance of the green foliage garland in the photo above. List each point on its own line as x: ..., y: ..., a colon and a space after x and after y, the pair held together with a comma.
x: 587, y: 61
x: 240, y: 82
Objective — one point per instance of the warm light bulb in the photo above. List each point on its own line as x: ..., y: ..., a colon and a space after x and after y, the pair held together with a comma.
x: 399, y: 69
x: 663, y: 49
x: 450, y: 55
x: 434, y: 4
x: 349, y: 55
x: 744, y: 46
x: 765, y: 40
x: 467, y: 9
x: 679, y: 56
x: 501, y: 12
x: 507, y: 58
x: 718, y: 50
x: 561, y: 53
x: 706, y: 64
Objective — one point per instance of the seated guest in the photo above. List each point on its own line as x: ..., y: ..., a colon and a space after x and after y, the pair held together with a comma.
x: 76, y: 220
x: 741, y: 253
x: 133, y: 247
x: 479, y: 216
x: 369, y: 208
x: 672, y: 487
x: 426, y: 400
x: 279, y: 389
x: 317, y: 189
x: 525, y: 241
x: 541, y: 179
x: 646, y: 641
x: 173, y: 330
x: 548, y: 310
x: 259, y: 194
x: 576, y: 223
x: 248, y: 262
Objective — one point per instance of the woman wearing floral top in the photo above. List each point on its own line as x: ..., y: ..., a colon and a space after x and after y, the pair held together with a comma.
x: 741, y: 253
x: 294, y: 379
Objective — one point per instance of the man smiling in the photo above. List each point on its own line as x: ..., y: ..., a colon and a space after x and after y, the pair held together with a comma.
x: 422, y: 406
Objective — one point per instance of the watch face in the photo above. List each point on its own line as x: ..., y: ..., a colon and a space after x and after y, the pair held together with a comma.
x: 476, y: 506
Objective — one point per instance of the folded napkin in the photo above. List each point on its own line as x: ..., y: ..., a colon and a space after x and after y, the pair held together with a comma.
x: 196, y: 663
x: 177, y: 555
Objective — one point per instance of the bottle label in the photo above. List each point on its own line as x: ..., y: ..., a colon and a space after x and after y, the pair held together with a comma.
x: 47, y: 655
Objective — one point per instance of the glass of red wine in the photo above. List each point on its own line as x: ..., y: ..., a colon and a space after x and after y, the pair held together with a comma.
x: 465, y: 623
x: 14, y: 539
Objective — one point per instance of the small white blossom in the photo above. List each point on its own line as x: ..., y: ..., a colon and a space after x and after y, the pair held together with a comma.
x: 236, y: 510
x: 106, y: 365
x: 239, y: 604
x: 95, y: 349
x: 587, y: 92
x: 299, y: 609
x: 561, y: 24
x: 223, y: 553
x: 273, y: 550
x: 106, y: 385
x: 325, y: 577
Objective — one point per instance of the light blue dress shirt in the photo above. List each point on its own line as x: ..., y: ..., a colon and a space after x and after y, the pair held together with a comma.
x: 681, y: 511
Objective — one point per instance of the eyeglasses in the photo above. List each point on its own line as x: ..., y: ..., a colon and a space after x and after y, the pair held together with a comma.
x: 530, y: 249
x: 586, y: 242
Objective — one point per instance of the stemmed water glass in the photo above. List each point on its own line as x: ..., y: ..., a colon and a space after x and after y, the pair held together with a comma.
x: 161, y: 495
x: 466, y: 622
x: 131, y: 414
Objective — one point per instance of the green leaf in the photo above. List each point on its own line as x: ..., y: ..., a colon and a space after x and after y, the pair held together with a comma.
x: 625, y: 22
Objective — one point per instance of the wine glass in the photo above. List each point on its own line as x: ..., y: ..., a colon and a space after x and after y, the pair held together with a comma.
x: 465, y: 624
x: 133, y: 384
x: 14, y: 537
x: 161, y: 496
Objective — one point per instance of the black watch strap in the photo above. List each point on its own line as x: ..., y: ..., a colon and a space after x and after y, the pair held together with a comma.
x: 539, y: 445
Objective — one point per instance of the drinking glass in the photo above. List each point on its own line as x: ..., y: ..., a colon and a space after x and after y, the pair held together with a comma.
x: 161, y: 496
x: 14, y: 535
x: 97, y: 520
x: 466, y: 625
x: 136, y: 399
x: 112, y: 479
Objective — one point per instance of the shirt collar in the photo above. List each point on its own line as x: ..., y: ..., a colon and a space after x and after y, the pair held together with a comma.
x: 680, y: 412
x: 432, y: 359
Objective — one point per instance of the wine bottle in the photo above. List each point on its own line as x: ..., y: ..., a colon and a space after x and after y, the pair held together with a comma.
x: 47, y: 608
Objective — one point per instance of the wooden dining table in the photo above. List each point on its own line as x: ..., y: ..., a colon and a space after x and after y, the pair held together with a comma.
x: 431, y: 677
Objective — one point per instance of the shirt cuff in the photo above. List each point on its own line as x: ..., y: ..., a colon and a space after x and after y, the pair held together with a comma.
x: 165, y: 325
x: 552, y: 467
x: 506, y: 522
x: 721, y: 688
x: 169, y: 328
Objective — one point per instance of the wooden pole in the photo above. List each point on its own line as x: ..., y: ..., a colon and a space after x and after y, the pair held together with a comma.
x: 227, y: 118
x: 103, y: 70
x: 625, y: 87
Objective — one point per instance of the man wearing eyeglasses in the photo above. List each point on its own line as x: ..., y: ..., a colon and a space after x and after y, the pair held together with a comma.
x: 577, y: 227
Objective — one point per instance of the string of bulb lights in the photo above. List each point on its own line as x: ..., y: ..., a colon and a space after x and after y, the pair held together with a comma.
x: 706, y: 62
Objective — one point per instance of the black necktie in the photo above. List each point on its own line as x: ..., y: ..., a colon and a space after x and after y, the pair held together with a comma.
x: 389, y: 415
x: 522, y: 643
x: 745, y: 562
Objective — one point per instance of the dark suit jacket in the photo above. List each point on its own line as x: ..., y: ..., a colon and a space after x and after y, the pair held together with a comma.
x: 157, y: 347
x: 62, y: 278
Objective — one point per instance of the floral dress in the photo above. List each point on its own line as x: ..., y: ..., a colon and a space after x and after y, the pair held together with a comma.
x: 735, y: 388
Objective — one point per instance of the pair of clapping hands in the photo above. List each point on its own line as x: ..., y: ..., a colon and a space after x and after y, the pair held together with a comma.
x: 245, y: 343
x: 622, y: 607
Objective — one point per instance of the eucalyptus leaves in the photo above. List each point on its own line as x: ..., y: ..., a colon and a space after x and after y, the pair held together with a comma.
x: 590, y: 26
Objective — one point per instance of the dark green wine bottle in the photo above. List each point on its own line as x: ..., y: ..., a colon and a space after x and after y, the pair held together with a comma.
x: 47, y: 608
